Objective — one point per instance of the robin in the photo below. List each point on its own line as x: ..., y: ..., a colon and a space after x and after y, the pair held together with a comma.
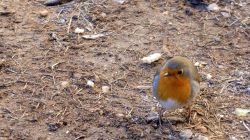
x: 176, y: 84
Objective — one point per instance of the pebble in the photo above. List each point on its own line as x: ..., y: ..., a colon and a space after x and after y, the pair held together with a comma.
x: 64, y: 84
x: 105, y: 89
x: 209, y: 76
x: 52, y: 127
x: 197, y: 64
x: 44, y: 13
x: 61, y: 21
x: 120, y: 1
x: 103, y: 15
x: 90, y: 83
x: 79, y: 30
x: 151, y: 58
x: 232, y: 138
x: 200, y: 137
x: 213, y: 7
x: 152, y: 117
x: 248, y: 90
x: 186, y: 134
x: 101, y: 112
x: 200, y: 64
x: 225, y: 14
x: 119, y: 115
x: 2, y: 62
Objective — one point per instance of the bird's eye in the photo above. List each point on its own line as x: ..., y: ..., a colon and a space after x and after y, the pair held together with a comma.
x: 180, y: 72
x: 166, y: 74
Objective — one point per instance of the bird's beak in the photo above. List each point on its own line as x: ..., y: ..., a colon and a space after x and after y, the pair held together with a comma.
x: 166, y: 74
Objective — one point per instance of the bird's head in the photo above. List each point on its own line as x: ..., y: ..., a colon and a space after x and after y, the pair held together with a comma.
x: 177, y: 69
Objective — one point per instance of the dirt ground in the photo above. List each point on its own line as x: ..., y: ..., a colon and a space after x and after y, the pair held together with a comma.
x: 44, y: 67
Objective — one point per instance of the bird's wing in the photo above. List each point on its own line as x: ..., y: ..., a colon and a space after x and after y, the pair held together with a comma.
x: 155, y: 84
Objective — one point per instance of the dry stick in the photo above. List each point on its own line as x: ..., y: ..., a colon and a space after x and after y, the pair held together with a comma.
x: 222, y: 89
x: 248, y: 129
x: 59, y: 13
x: 70, y: 21
x: 66, y: 49
x: 64, y: 111
x: 129, y: 113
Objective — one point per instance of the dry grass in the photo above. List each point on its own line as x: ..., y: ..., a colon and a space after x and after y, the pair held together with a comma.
x: 44, y: 67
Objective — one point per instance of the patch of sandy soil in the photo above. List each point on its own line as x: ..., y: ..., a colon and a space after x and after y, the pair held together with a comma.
x: 44, y: 67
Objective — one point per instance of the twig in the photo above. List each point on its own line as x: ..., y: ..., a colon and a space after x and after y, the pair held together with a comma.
x: 233, y: 22
x: 222, y: 89
x: 248, y: 129
x: 80, y: 137
x: 129, y: 113
x: 59, y: 13
x: 70, y: 21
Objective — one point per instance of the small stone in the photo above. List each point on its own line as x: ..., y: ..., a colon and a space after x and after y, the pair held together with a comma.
x: 200, y: 137
x: 101, y: 112
x: 103, y: 15
x: 61, y: 21
x: 2, y: 62
x: 186, y: 134
x: 200, y: 64
x: 217, y: 39
x: 119, y: 115
x: 213, y: 7
x: 248, y: 90
x: 221, y: 67
x: 105, y: 89
x: 197, y: 64
x: 120, y: 1
x: 232, y: 138
x: 209, y: 76
x: 165, y: 13
x: 151, y: 58
x: 64, y: 84
x: 90, y: 83
x: 79, y: 31
x: 225, y: 14
x: 152, y: 117
x: 188, y: 12
x: 44, y: 13
x: 53, y: 126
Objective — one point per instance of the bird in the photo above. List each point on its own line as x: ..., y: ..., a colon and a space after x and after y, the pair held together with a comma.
x: 175, y: 84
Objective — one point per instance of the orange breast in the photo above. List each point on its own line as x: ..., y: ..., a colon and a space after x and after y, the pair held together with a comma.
x: 174, y: 88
